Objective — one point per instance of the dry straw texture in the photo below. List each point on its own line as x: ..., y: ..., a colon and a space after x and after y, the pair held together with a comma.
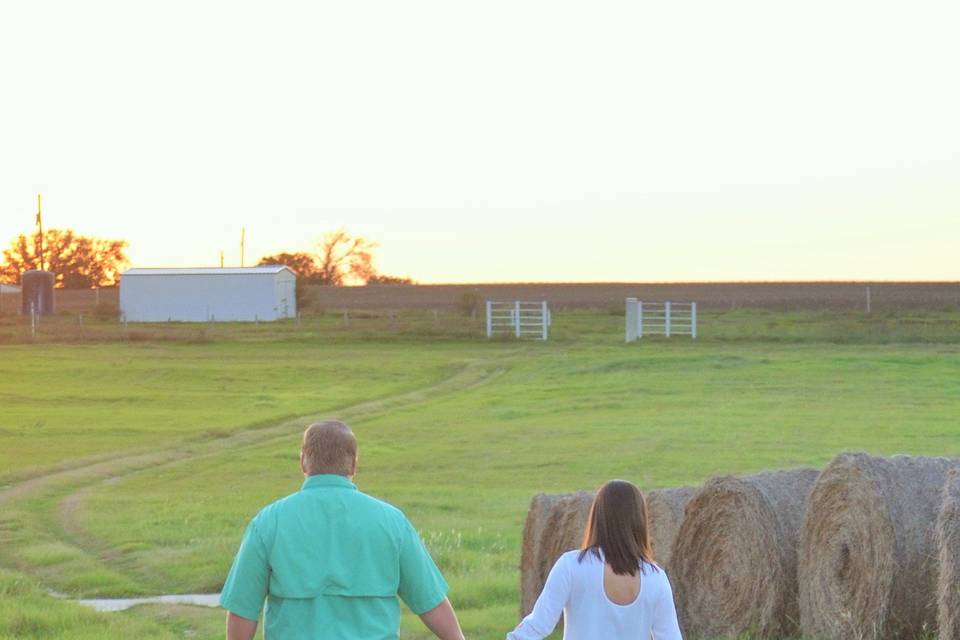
x: 867, y: 549
x: 948, y: 541
x: 735, y: 556
x: 665, y: 513
x: 531, y: 580
x: 555, y: 525
x: 559, y: 523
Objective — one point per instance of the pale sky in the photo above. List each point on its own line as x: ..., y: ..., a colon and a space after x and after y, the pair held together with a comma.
x: 495, y: 141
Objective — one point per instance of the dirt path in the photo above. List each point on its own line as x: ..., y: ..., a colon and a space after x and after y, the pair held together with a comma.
x: 73, y: 484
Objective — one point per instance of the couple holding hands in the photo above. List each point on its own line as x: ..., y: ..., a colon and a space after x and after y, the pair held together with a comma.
x: 330, y: 563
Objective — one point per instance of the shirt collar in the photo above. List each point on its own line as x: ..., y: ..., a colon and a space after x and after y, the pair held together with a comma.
x: 327, y: 481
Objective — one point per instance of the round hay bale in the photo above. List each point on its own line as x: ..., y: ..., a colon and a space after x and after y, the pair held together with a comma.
x: 564, y: 530
x: 541, y: 507
x: 734, y: 560
x: 555, y: 525
x: 664, y: 514
x: 867, y: 549
x: 948, y: 542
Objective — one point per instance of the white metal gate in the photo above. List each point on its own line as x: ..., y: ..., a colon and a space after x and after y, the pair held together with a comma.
x: 660, y: 318
x: 518, y: 319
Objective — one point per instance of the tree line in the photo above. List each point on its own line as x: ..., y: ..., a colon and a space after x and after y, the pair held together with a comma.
x: 340, y: 259
x: 82, y: 262
x: 77, y: 262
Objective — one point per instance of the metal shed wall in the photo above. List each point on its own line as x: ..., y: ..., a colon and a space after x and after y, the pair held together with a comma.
x: 195, y: 295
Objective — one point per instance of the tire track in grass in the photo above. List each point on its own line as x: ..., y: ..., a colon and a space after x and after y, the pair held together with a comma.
x: 470, y: 375
x: 64, y: 490
x: 68, y: 508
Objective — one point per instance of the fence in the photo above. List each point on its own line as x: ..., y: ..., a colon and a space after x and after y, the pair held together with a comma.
x: 519, y: 319
x: 660, y: 318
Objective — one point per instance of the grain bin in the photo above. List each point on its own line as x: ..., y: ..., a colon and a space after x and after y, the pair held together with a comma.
x: 36, y: 292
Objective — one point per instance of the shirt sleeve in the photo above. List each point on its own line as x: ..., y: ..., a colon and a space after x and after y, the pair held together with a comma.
x: 546, y: 612
x: 665, y: 625
x: 247, y: 583
x: 422, y: 586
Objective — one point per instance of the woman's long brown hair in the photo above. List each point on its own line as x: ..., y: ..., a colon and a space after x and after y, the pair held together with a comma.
x: 617, y: 528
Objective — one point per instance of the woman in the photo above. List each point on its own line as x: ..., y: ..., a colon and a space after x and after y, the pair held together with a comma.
x: 609, y: 589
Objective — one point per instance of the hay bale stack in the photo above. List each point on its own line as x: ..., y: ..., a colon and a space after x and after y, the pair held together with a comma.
x: 735, y: 556
x: 948, y: 541
x: 555, y: 525
x: 867, y: 549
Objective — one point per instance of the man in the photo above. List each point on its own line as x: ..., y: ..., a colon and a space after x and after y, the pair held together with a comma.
x: 330, y: 561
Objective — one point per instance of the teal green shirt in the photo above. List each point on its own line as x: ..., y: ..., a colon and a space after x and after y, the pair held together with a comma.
x: 330, y: 562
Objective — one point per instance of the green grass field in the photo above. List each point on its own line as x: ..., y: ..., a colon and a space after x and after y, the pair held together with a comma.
x: 130, y: 465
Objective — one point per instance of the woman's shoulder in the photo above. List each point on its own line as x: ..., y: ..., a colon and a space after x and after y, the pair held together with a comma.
x: 573, y: 557
x: 654, y: 574
x: 577, y: 559
x: 651, y: 568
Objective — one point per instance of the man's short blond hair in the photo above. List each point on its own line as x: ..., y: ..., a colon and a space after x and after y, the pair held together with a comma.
x: 329, y: 447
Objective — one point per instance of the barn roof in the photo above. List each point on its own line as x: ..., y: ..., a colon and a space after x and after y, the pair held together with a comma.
x: 209, y: 271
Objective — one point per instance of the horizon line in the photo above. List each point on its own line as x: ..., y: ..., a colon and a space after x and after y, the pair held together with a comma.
x: 647, y: 282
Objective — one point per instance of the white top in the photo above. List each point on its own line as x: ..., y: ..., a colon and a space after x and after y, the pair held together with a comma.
x: 576, y: 589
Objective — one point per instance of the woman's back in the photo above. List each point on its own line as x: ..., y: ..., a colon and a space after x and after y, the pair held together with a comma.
x: 620, y: 589
x: 576, y: 587
x: 610, y: 589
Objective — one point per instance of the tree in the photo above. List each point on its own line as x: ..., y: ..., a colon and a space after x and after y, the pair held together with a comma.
x: 303, y: 264
x: 78, y: 262
x: 340, y: 259
x: 344, y: 257
x: 379, y: 278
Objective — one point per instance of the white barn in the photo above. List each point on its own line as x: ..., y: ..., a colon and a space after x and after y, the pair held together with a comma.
x: 208, y: 294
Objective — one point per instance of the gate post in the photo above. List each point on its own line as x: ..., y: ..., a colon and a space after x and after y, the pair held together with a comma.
x: 489, y: 319
x: 543, y: 318
x: 666, y: 310
x: 516, y: 318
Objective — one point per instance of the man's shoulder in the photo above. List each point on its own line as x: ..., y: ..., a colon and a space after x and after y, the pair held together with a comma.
x: 360, y: 503
x: 269, y: 513
x: 381, y: 507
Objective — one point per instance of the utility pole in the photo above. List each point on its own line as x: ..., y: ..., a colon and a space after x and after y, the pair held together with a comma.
x: 221, y: 258
x: 243, y: 238
x: 40, y: 227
